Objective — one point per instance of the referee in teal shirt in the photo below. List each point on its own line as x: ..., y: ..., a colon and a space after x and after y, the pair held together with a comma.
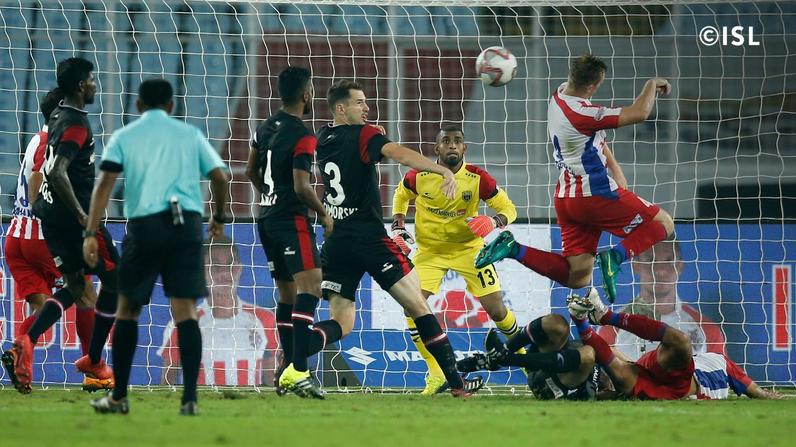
x: 164, y: 161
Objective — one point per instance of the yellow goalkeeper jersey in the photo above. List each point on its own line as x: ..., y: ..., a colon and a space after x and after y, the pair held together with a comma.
x: 440, y: 222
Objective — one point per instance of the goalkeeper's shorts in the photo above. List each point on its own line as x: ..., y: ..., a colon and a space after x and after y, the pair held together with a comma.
x: 433, y: 266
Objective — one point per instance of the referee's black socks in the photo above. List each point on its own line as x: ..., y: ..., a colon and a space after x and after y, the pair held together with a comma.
x: 50, y: 313
x: 439, y: 346
x: 104, y: 316
x: 125, y: 338
x: 190, y: 339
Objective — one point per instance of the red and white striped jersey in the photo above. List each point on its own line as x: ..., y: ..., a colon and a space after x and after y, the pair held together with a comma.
x: 232, y: 348
x: 24, y: 224
x: 717, y: 375
x: 576, y: 128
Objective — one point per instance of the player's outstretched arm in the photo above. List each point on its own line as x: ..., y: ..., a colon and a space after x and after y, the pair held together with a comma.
x: 306, y: 193
x: 756, y: 392
x: 642, y: 107
x: 416, y: 160
x: 99, y: 200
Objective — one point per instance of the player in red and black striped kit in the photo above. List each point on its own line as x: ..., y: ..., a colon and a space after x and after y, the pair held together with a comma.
x: 280, y: 163
x: 348, y: 150
x: 65, y: 195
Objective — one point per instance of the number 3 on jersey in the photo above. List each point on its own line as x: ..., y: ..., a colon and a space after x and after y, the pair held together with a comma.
x: 337, y: 195
x: 268, y: 198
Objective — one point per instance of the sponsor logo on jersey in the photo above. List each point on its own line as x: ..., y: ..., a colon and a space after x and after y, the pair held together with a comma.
x: 289, y: 251
x: 445, y: 213
x: 386, y: 266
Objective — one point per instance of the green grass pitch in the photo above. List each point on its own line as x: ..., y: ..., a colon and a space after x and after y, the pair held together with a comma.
x: 63, y: 418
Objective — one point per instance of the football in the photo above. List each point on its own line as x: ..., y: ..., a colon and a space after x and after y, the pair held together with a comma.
x: 496, y: 66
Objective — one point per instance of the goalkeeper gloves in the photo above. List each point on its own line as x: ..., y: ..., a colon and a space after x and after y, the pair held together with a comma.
x: 402, y: 237
x: 482, y: 225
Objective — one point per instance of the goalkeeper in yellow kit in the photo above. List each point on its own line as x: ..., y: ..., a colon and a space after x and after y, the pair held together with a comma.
x: 449, y: 234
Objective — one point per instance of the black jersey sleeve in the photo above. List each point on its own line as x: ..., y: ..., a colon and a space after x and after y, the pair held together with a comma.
x: 370, y: 143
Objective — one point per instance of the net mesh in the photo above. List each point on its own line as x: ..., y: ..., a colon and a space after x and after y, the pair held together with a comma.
x: 715, y: 155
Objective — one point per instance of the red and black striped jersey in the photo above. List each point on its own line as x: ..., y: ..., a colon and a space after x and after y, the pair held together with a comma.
x: 283, y: 143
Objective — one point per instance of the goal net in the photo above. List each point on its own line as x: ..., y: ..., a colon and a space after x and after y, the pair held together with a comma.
x: 718, y: 155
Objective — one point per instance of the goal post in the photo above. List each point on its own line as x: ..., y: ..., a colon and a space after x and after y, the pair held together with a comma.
x: 718, y: 155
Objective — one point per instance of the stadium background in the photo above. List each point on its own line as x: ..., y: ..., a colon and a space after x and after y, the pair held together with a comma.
x: 717, y: 156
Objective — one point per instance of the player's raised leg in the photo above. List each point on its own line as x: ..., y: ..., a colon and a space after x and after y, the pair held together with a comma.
x: 570, y: 269
x: 581, y: 309
x: 641, y: 238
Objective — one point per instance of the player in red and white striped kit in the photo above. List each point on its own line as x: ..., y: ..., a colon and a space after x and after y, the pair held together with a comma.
x: 588, y: 200
x: 31, y: 264
x: 671, y: 371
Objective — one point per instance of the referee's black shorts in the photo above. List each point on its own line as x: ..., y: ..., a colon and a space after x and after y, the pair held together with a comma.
x: 155, y: 247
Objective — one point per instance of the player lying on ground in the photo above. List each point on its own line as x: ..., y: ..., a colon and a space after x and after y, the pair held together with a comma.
x: 587, y: 200
x: 65, y: 195
x: 557, y: 367
x: 348, y: 151
x: 672, y: 371
x: 279, y: 167
x: 28, y: 258
x: 449, y: 234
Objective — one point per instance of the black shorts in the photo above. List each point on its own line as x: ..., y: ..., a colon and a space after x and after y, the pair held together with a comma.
x: 65, y: 241
x: 155, y: 247
x: 289, y: 245
x: 349, y: 253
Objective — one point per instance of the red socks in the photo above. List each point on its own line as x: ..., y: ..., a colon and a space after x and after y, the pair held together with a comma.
x: 601, y: 348
x: 24, y: 327
x: 644, y: 327
x: 84, y: 322
x: 545, y: 263
x: 643, y: 237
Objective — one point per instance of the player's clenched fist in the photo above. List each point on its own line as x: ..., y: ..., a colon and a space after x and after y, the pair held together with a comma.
x: 481, y: 225
x: 662, y: 86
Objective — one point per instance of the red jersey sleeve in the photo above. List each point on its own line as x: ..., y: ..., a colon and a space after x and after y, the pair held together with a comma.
x: 589, y: 118
x: 410, y: 181
x: 38, y: 156
x: 370, y: 143
x: 487, y: 186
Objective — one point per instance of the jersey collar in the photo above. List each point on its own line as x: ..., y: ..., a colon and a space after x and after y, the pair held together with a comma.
x: 63, y: 105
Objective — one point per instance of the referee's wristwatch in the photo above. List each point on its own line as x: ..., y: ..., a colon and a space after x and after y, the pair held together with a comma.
x: 88, y: 233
